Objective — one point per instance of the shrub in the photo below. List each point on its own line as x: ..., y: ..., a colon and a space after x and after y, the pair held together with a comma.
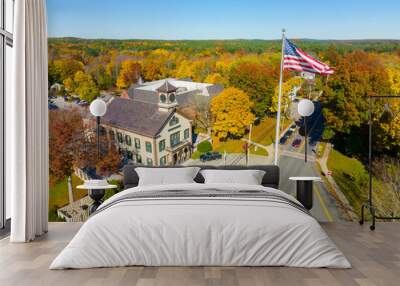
x: 328, y: 134
x: 196, y: 155
x: 204, y: 147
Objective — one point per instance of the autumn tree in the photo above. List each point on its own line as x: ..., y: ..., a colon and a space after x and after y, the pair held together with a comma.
x: 110, y: 161
x: 61, y: 69
x: 386, y: 170
x: 65, y: 136
x: 231, y: 111
x: 345, y: 99
x: 70, y: 146
x: 86, y: 156
x: 203, y: 117
x: 82, y: 84
x: 394, y: 79
x: 216, y: 78
x: 258, y: 81
x: 287, y: 87
x: 130, y: 73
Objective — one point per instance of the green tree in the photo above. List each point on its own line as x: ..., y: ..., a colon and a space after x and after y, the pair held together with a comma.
x: 85, y: 86
x: 258, y: 81
x: 345, y: 99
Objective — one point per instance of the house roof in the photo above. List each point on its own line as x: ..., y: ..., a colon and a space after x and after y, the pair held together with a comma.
x: 135, y: 116
x: 166, y: 87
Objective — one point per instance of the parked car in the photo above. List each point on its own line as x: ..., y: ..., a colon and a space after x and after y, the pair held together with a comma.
x: 289, y: 133
x: 209, y: 156
x: 83, y: 103
x: 296, y: 142
x: 283, y: 140
x: 313, y: 143
x: 52, y: 106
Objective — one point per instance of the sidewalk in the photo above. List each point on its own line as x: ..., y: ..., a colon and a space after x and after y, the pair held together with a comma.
x: 323, y: 163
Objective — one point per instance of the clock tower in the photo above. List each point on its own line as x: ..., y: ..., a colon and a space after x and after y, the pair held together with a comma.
x: 167, y: 96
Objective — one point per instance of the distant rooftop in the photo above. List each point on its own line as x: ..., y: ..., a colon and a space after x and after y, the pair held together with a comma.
x: 180, y: 84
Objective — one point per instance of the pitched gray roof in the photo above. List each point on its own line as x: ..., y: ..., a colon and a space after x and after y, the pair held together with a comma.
x: 135, y: 116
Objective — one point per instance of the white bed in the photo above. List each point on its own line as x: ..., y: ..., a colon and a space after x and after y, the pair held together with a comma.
x: 202, y: 231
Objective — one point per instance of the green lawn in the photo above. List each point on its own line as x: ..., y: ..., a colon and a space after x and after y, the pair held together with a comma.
x: 263, y: 133
x: 58, y: 195
x: 352, y: 178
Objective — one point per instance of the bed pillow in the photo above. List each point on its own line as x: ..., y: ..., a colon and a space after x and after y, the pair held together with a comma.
x: 247, y: 177
x: 166, y: 176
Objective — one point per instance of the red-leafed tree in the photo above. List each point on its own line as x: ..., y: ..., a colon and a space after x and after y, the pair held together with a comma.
x: 70, y: 145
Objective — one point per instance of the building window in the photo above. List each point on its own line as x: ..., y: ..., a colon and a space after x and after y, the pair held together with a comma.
x: 175, y: 139
x: 186, y: 133
x: 174, y: 120
x: 129, y: 155
x: 148, y: 147
x: 138, y: 159
x: 137, y: 143
x: 120, y: 138
x: 161, y: 145
x: 128, y: 140
x: 149, y: 162
x: 163, y: 161
x: 112, y: 135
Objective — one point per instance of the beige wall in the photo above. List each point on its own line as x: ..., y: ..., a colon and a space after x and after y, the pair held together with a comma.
x: 165, y: 134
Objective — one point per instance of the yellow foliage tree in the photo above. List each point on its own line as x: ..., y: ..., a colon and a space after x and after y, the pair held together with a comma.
x: 184, y: 70
x: 215, y: 78
x: 389, y: 135
x: 394, y: 79
x: 231, y: 111
x: 85, y: 86
x: 129, y: 73
x: 287, y: 88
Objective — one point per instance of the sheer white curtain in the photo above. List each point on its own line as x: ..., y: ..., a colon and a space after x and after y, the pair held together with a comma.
x: 27, y: 124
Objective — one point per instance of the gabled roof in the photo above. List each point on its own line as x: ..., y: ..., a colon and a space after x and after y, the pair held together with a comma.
x: 166, y: 87
x: 135, y: 116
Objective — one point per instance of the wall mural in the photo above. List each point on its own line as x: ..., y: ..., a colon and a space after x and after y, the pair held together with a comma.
x: 192, y: 102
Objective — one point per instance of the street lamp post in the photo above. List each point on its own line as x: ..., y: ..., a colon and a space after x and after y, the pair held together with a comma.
x: 305, y: 109
x: 98, y: 108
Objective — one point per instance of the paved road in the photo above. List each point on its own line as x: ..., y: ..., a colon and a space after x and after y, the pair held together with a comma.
x: 292, y: 164
x: 325, y: 208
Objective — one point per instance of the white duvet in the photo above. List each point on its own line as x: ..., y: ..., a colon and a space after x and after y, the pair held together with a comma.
x: 203, y: 232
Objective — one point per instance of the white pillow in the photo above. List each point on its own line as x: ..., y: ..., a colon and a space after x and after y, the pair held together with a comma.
x: 247, y: 177
x: 166, y: 176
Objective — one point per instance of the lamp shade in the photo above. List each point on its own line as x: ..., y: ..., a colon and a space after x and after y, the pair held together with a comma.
x: 305, y: 107
x: 98, y: 107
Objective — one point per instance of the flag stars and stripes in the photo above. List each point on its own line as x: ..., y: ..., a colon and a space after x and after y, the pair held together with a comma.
x: 295, y: 59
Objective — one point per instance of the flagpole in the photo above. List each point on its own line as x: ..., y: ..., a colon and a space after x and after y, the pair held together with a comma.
x: 278, y: 115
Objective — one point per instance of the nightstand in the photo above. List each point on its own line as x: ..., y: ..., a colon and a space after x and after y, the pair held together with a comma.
x: 304, y: 190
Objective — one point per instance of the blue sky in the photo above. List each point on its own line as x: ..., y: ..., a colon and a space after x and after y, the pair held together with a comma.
x: 224, y: 19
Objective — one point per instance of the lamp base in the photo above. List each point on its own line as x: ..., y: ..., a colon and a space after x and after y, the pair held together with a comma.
x: 96, y: 195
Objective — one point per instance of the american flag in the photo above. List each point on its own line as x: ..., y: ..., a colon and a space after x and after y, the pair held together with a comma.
x: 296, y: 59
